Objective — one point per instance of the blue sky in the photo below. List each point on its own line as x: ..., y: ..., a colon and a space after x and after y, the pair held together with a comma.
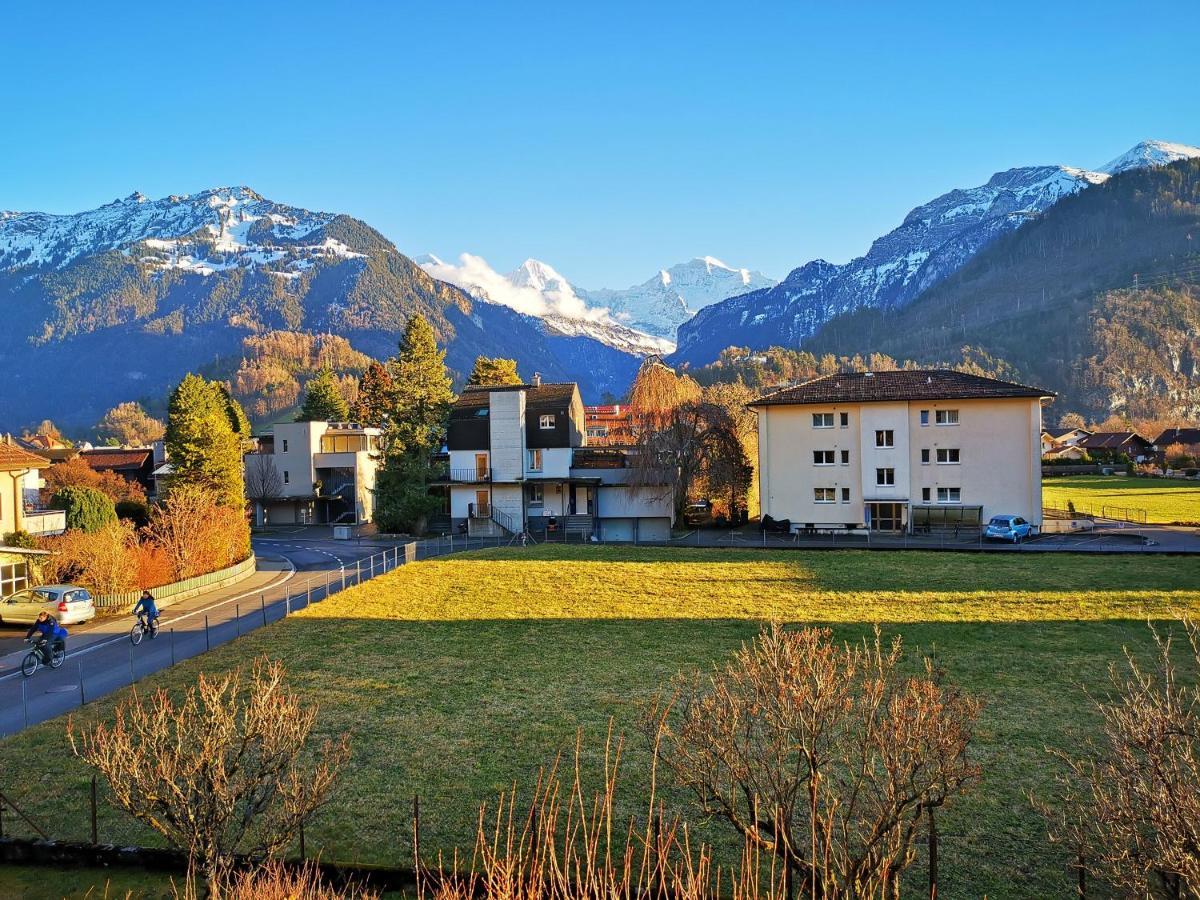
x: 606, y: 139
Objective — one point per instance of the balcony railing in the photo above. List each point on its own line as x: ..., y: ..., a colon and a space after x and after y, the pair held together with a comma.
x: 472, y: 476
x: 479, y: 510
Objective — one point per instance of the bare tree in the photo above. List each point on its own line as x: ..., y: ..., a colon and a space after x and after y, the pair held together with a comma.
x: 1129, y: 809
x: 263, y: 481
x: 827, y: 756
x: 219, y: 773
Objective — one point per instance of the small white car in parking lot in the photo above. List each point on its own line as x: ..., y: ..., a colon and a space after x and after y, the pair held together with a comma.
x: 68, y: 603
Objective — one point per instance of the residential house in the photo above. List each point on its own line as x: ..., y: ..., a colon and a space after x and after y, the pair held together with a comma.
x: 1187, y: 437
x: 20, y: 479
x: 134, y: 464
x: 1052, y: 449
x: 903, y: 450
x: 610, y: 425
x: 1072, y: 437
x: 520, y: 457
x: 314, y: 473
x: 1111, y: 443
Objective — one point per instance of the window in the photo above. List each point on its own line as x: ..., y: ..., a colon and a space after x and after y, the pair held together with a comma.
x: 925, y: 494
x: 947, y: 456
x: 287, y: 478
x: 885, y: 438
x: 822, y: 420
x: 822, y: 457
x: 845, y: 457
x: 1018, y: 521
x: 949, y: 495
x: 535, y: 460
x: 925, y: 457
x: 824, y: 495
x: 536, y: 494
x: 845, y: 420
x: 885, y: 477
x: 343, y: 443
x: 845, y: 495
x: 947, y: 417
x: 13, y: 577
x: 924, y: 417
x: 285, y: 445
x: 546, y: 422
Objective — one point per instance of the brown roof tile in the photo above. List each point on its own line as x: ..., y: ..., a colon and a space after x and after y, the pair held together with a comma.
x: 13, y: 457
x: 906, y: 384
x: 115, y: 459
x: 473, y: 398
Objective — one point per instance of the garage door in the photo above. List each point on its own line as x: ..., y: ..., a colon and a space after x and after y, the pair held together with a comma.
x: 616, y: 529
x: 654, y: 529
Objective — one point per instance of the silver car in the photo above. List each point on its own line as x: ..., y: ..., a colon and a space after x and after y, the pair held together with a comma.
x: 68, y: 603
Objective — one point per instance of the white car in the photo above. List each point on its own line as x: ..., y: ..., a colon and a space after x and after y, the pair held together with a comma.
x: 69, y: 604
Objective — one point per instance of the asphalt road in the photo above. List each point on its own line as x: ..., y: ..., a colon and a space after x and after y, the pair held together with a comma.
x: 102, y: 659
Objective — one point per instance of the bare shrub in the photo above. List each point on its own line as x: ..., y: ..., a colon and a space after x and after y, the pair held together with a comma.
x: 828, y: 757
x: 220, y: 773
x: 104, y: 561
x: 1128, y: 808
x: 276, y: 881
x: 198, y: 534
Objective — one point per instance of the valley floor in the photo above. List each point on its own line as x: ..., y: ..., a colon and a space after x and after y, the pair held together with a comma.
x: 460, y: 677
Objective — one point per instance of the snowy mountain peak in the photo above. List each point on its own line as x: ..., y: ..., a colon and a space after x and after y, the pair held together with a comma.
x: 540, y: 276
x: 1150, y: 153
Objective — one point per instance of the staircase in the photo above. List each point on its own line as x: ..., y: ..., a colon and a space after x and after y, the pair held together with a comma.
x: 439, y: 524
x: 578, y: 527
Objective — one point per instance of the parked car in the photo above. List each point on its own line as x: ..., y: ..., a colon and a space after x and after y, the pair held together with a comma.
x: 68, y: 603
x: 698, y: 514
x: 1008, y: 528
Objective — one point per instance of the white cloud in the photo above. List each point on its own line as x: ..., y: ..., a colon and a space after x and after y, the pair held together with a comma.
x: 535, y: 289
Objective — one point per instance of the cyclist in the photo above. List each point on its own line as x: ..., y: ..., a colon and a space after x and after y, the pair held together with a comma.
x: 50, y: 633
x: 146, y: 610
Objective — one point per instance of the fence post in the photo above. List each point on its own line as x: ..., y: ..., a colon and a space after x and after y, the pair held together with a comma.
x: 417, y: 834
x: 262, y: 599
x: 172, y: 646
x: 82, y: 697
x: 933, y: 855
x: 24, y: 711
x: 207, y: 641
x: 237, y: 617
x: 95, y: 839
x: 132, y: 678
x: 358, y: 571
x: 343, y: 580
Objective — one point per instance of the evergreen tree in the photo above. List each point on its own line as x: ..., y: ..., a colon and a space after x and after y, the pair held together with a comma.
x: 87, y: 508
x: 421, y: 400
x: 375, y: 396
x: 323, y: 400
x: 494, y: 371
x: 238, y: 420
x: 202, y: 444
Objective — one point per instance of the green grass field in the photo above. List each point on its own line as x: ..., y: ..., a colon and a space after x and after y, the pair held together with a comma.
x: 458, y: 677
x: 1165, y: 500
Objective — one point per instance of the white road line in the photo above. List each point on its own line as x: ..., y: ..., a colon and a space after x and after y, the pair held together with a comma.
x: 99, y: 645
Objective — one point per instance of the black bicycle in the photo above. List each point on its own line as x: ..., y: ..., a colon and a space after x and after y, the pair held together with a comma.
x: 41, y: 655
x: 143, y: 627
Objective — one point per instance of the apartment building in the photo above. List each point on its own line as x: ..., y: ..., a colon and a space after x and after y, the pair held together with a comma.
x: 520, y: 458
x: 904, y: 450
x: 309, y: 473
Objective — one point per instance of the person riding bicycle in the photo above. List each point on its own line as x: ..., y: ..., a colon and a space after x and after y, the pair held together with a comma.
x: 145, y: 609
x: 50, y: 634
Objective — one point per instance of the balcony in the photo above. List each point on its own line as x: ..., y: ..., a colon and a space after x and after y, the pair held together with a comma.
x: 471, y: 476
x: 44, y: 521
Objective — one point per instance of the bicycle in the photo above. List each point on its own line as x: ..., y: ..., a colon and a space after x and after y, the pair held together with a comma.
x: 142, y: 627
x: 37, y: 657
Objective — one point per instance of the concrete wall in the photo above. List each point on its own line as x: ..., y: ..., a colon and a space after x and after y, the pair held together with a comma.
x: 621, y: 501
x: 556, y: 463
x: 302, y: 440
x: 506, y: 425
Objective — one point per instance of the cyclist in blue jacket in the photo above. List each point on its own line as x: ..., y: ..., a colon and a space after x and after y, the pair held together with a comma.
x: 146, y: 609
x: 49, y: 633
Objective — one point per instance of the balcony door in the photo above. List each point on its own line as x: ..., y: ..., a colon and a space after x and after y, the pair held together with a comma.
x: 481, y: 466
x: 483, y: 507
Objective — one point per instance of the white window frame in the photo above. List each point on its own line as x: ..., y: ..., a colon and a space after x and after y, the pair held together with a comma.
x: 945, y: 417
x: 820, y: 493
x: 924, y: 456
x: 537, y: 494
x: 535, y: 460
x: 829, y: 455
x: 285, y: 440
x: 925, y: 495
x: 546, y: 421
x: 845, y: 457
x: 287, y: 477
x: 13, y: 577
x: 881, y: 475
x: 885, y: 438
x: 924, y: 418
x: 944, y: 497
x: 948, y: 461
x: 844, y: 420
x: 845, y: 495
x: 819, y: 420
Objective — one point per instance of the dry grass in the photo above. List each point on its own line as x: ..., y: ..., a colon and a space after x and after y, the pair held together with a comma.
x: 1165, y: 500
x: 458, y: 678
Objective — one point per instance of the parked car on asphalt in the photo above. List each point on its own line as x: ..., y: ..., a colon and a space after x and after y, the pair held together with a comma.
x: 1008, y: 528
x: 68, y: 603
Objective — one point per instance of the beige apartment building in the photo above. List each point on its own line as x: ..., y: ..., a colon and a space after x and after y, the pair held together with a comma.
x: 899, y: 451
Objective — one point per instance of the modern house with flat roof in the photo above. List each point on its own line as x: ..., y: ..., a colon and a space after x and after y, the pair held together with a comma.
x: 901, y: 450
x: 310, y: 473
x: 520, y: 458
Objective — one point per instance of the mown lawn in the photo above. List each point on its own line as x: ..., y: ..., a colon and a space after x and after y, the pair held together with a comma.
x: 460, y: 676
x: 1166, y: 500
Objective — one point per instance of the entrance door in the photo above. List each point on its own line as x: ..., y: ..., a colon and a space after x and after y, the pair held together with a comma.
x: 887, y: 516
x: 481, y: 466
x: 483, y: 509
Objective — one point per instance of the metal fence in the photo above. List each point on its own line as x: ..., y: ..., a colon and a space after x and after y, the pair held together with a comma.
x: 172, y: 593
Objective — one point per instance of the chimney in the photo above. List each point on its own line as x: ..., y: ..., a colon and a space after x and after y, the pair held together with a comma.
x: 537, y: 379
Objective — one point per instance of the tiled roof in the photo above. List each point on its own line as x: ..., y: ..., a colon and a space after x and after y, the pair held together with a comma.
x: 13, y: 457
x: 473, y: 398
x: 907, y: 384
x: 1111, y: 440
x: 115, y: 459
x: 1186, y: 436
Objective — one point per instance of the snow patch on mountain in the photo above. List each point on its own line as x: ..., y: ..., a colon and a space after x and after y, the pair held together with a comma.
x: 1150, y: 153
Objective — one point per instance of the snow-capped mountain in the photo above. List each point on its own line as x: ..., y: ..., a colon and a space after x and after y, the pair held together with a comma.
x: 537, y: 289
x: 933, y: 241
x: 661, y: 304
